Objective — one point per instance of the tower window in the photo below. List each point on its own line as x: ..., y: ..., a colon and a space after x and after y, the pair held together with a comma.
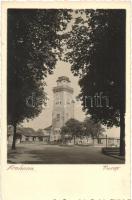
x: 68, y: 101
x: 58, y: 117
x: 58, y: 102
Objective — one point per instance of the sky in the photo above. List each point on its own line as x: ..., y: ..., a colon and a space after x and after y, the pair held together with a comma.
x: 45, y: 118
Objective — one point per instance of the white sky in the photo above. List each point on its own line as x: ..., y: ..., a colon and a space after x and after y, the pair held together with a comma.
x: 45, y: 118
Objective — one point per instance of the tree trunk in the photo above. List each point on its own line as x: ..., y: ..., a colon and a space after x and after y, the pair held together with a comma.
x: 122, y: 134
x: 14, y: 137
x: 98, y: 140
x: 123, y: 86
x: 93, y: 140
x: 74, y: 139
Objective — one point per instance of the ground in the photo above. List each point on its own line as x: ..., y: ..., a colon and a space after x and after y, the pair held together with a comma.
x: 39, y: 153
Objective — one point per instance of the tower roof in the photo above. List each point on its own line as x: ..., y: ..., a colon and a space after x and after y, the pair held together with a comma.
x: 61, y: 86
x: 63, y: 78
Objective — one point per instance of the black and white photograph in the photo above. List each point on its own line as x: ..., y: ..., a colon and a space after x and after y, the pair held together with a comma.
x: 66, y: 86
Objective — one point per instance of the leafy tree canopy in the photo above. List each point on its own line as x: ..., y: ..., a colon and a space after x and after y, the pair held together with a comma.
x: 33, y: 48
x: 92, y: 129
x: 72, y: 127
x: 96, y: 51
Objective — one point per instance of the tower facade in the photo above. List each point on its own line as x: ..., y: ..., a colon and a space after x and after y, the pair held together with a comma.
x: 63, y: 106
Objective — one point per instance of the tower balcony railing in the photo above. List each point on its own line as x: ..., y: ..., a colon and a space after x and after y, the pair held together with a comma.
x: 63, y: 88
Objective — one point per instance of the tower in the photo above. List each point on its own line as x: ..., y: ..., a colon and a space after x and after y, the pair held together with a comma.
x: 63, y: 106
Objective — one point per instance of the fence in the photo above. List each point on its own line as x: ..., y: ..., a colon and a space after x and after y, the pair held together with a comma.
x: 107, y: 142
x: 104, y: 141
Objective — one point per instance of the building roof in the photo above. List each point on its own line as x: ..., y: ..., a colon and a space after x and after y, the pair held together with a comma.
x: 63, y: 78
x: 28, y: 132
x: 48, y: 128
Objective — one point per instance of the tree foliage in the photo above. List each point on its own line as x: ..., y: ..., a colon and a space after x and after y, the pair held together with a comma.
x: 33, y: 47
x: 95, y: 130
x: 72, y: 127
x: 96, y: 53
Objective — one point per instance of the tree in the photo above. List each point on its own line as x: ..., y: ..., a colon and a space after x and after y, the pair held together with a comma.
x: 65, y: 133
x: 33, y: 48
x: 72, y: 127
x: 96, y: 51
x: 95, y: 130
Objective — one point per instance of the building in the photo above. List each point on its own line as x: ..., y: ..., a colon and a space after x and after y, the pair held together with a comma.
x: 63, y: 106
x: 28, y: 135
